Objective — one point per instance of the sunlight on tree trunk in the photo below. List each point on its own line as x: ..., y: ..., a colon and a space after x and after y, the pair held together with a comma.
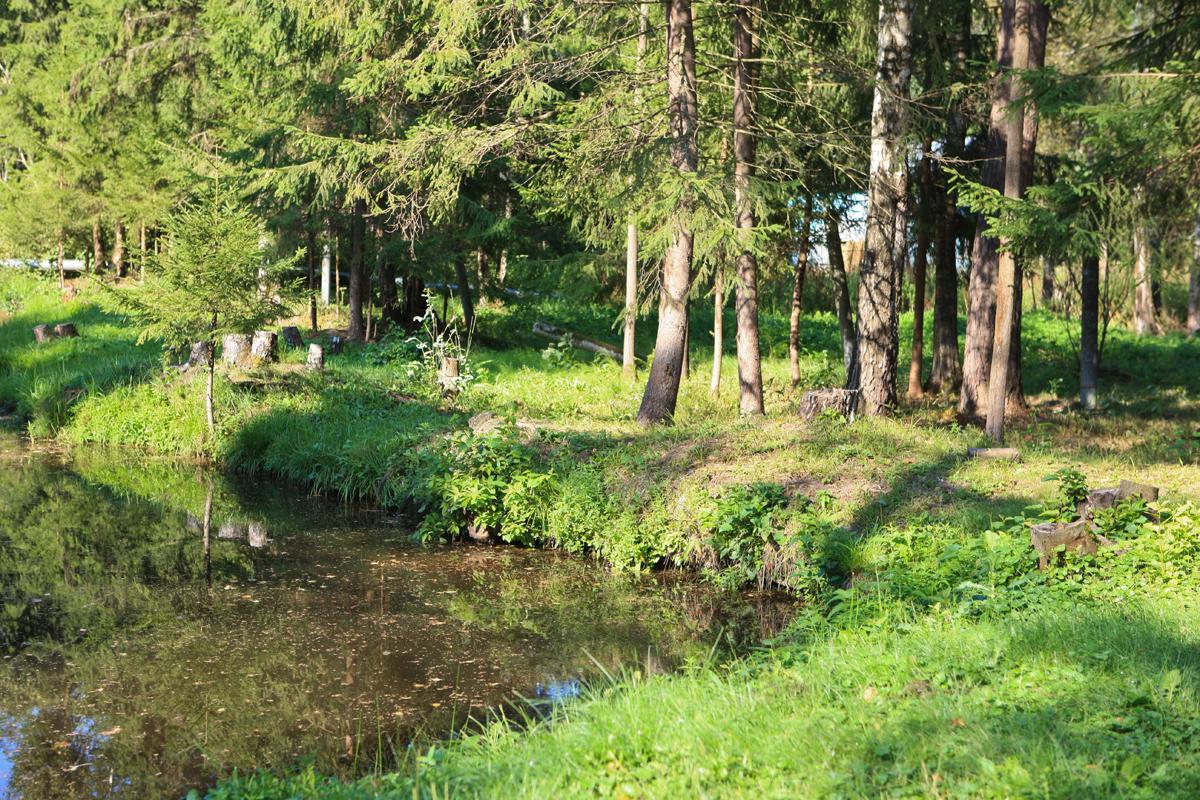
x: 799, y: 272
x: 628, y: 356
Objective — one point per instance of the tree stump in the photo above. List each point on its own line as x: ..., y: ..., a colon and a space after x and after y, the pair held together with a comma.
x: 200, y: 356
x: 231, y: 530
x: 235, y: 349
x: 264, y: 347
x: 1047, y: 537
x: 316, y: 358
x: 335, y: 345
x: 292, y: 337
x: 256, y: 534
x: 447, y: 377
x: 843, y: 401
x: 43, y: 334
x: 65, y: 330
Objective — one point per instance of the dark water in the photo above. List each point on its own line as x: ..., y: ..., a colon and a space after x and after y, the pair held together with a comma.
x: 139, y: 660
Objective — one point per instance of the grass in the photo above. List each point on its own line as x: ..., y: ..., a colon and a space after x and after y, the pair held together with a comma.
x: 934, y: 659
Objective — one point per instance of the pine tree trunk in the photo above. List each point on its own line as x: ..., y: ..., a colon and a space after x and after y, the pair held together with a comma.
x: 714, y: 387
x: 804, y: 244
x: 1193, y: 314
x: 118, y: 252
x: 464, y: 293
x: 97, y: 248
x: 662, y: 386
x: 981, y: 302
x: 62, y: 266
x: 1089, y: 318
x: 1008, y: 279
x: 1035, y: 59
x: 326, y: 271
x: 841, y: 287
x: 920, y: 265
x: 1144, y: 321
x: 874, y: 371
x: 1048, y: 284
x: 686, y: 369
x: 142, y: 251
x: 745, y: 143
x: 628, y: 356
x: 356, y: 328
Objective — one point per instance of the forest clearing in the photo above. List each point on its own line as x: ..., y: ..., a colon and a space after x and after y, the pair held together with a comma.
x: 544, y: 399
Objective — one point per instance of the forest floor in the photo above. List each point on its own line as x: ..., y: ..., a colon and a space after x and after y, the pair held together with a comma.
x: 933, y: 658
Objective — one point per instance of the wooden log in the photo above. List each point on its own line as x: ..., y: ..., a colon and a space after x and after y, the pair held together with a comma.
x: 575, y: 340
x: 65, y: 330
x: 292, y: 337
x: 43, y: 333
x: 1010, y: 453
x: 264, y: 347
x: 316, y: 358
x: 235, y: 349
x: 843, y: 401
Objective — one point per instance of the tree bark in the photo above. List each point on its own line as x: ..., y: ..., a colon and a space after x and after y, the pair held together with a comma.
x: 804, y: 244
x: 874, y: 372
x: 745, y: 143
x: 464, y: 293
x: 714, y: 388
x: 841, y: 286
x: 628, y: 356
x: 1193, y: 315
x: 356, y: 329
x: 981, y: 302
x: 662, y: 386
x: 142, y: 251
x: 1048, y: 284
x: 1008, y: 279
x: 920, y: 264
x: 326, y: 272
x: 1144, y: 321
x: 97, y: 248
x: 1089, y: 318
x: 118, y: 252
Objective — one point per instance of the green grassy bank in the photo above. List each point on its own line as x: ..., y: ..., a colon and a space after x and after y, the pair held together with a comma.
x: 934, y: 658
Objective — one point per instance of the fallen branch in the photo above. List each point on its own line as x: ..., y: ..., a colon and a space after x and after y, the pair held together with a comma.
x: 577, y: 341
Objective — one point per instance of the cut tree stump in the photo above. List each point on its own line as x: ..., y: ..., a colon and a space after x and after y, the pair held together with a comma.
x: 577, y: 341
x: 235, y: 349
x: 264, y: 347
x: 292, y: 337
x: 1047, y: 537
x: 843, y: 401
x: 65, y: 330
x: 447, y: 377
x: 316, y: 358
x: 43, y: 333
x: 335, y: 345
x: 1101, y: 499
x: 256, y: 534
x: 200, y: 355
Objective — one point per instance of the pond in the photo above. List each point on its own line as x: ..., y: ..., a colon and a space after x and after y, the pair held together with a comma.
x: 143, y: 658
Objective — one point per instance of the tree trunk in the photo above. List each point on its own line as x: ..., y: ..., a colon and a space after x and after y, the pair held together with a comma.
x: 662, y: 386
x: 356, y: 328
x: 502, y: 261
x: 1144, y: 321
x: 874, y: 371
x: 1008, y: 280
x: 981, y: 289
x: 803, y: 246
x: 1035, y: 59
x: 142, y: 251
x: 212, y: 366
x: 714, y: 388
x: 686, y: 369
x: 481, y: 270
x: 1089, y: 318
x: 841, y: 286
x: 629, y: 357
x: 1193, y: 314
x: 745, y: 143
x: 97, y: 248
x: 1048, y: 284
x: 118, y: 252
x: 464, y: 293
x: 62, y: 265
x: 920, y: 264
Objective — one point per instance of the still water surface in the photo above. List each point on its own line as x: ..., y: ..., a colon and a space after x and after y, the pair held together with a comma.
x: 142, y: 659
